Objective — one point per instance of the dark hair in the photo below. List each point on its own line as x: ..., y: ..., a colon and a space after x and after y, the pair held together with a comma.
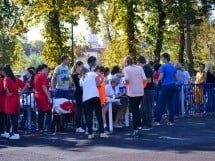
x: 9, y: 73
x: 77, y: 64
x: 166, y: 56
x: 151, y: 63
x: 115, y: 70
x: 64, y: 57
x: 91, y: 59
x: 41, y: 67
x: 100, y: 68
x: 201, y: 64
x: 157, y: 66
x: 1, y: 75
x: 141, y: 59
x: 107, y: 70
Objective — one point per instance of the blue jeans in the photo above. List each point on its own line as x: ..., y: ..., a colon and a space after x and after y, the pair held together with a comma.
x: 63, y: 94
x: 167, y: 98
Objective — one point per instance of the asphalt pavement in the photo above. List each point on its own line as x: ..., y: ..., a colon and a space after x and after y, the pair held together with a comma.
x: 191, y: 139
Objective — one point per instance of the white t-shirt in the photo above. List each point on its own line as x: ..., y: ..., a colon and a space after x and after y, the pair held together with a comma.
x: 109, y: 90
x: 63, y: 77
x: 135, y: 76
x: 88, y: 83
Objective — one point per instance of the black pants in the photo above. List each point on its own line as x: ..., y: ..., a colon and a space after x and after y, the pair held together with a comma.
x: 91, y: 105
x: 146, y: 108
x: 2, y: 122
x: 134, y: 103
x: 41, y: 117
x: 12, y: 119
x: 79, y: 109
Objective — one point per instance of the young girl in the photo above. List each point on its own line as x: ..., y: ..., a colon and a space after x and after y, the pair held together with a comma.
x: 89, y: 82
x: 42, y: 97
x: 12, y: 103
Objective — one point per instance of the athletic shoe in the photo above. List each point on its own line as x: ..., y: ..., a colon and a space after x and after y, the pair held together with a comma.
x: 170, y: 123
x: 135, y: 134
x: 5, y: 135
x: 104, y: 135
x: 14, y: 137
x: 156, y: 123
x: 79, y: 130
x: 91, y: 136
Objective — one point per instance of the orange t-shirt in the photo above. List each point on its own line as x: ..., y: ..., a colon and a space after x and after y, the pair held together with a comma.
x: 102, y: 94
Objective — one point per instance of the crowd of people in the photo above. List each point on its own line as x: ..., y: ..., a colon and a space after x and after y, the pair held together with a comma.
x: 92, y: 85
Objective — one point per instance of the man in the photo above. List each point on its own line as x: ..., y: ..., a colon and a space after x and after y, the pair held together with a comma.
x: 148, y: 97
x: 167, y: 78
x: 134, y: 79
x: 61, y: 79
x: 91, y: 63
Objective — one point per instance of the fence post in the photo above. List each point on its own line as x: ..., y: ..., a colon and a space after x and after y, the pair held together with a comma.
x: 182, y: 100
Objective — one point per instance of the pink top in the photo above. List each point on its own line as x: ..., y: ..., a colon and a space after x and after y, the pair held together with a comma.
x: 135, y: 76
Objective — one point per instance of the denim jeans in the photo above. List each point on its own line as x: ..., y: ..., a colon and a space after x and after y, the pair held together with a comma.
x: 166, y: 99
x: 147, y: 105
x: 41, y: 118
x: 63, y: 94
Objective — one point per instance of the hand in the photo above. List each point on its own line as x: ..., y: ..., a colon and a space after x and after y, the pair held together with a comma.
x: 50, y: 100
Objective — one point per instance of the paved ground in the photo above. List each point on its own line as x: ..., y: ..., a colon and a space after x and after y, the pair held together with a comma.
x: 190, y: 140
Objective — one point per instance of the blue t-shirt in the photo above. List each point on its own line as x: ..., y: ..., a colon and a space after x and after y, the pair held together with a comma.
x: 169, y: 72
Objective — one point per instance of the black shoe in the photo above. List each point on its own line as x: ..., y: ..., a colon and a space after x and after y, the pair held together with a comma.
x: 135, y: 134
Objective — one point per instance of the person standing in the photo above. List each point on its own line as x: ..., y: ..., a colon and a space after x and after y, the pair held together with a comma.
x: 91, y: 63
x: 43, y: 98
x: 61, y: 79
x: 147, y: 103
x: 167, y: 78
x: 89, y: 82
x: 134, y: 79
x: 76, y: 70
x: 12, y: 85
x: 2, y: 104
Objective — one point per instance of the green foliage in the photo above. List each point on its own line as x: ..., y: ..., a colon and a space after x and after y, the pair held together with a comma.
x: 35, y: 60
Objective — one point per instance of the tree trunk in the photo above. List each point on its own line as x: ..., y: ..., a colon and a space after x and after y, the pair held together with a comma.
x: 182, y: 46
x: 189, y: 49
x: 160, y: 26
x: 130, y: 28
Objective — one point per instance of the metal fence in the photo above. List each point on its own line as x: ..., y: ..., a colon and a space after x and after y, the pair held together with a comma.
x: 191, y: 99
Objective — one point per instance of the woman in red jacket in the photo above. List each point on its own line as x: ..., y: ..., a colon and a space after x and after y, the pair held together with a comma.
x: 42, y: 97
x: 2, y: 100
x: 12, y: 85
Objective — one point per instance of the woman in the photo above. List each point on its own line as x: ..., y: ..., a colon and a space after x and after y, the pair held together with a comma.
x: 199, y: 81
x: 134, y: 79
x: 89, y: 82
x: 210, y: 80
x: 2, y: 102
x: 76, y: 70
x: 43, y: 98
x: 12, y: 103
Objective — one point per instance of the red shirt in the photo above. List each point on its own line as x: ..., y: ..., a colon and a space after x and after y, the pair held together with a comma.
x: 41, y: 99
x: 40, y: 79
x: 156, y: 75
x: 12, y: 104
x: 2, y: 95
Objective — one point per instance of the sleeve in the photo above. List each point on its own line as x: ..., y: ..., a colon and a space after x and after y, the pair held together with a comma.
x: 20, y: 83
x: 56, y: 70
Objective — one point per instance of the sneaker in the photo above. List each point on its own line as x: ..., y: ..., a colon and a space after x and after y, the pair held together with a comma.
x: 135, y: 134
x: 15, y: 137
x: 146, y: 128
x: 170, y: 123
x: 5, y: 135
x: 104, y: 135
x: 79, y: 130
x: 156, y: 123
x: 117, y: 126
x: 90, y: 136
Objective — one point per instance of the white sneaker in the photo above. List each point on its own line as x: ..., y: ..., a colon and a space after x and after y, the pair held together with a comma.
x: 15, y: 137
x: 5, y: 135
x: 80, y: 130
